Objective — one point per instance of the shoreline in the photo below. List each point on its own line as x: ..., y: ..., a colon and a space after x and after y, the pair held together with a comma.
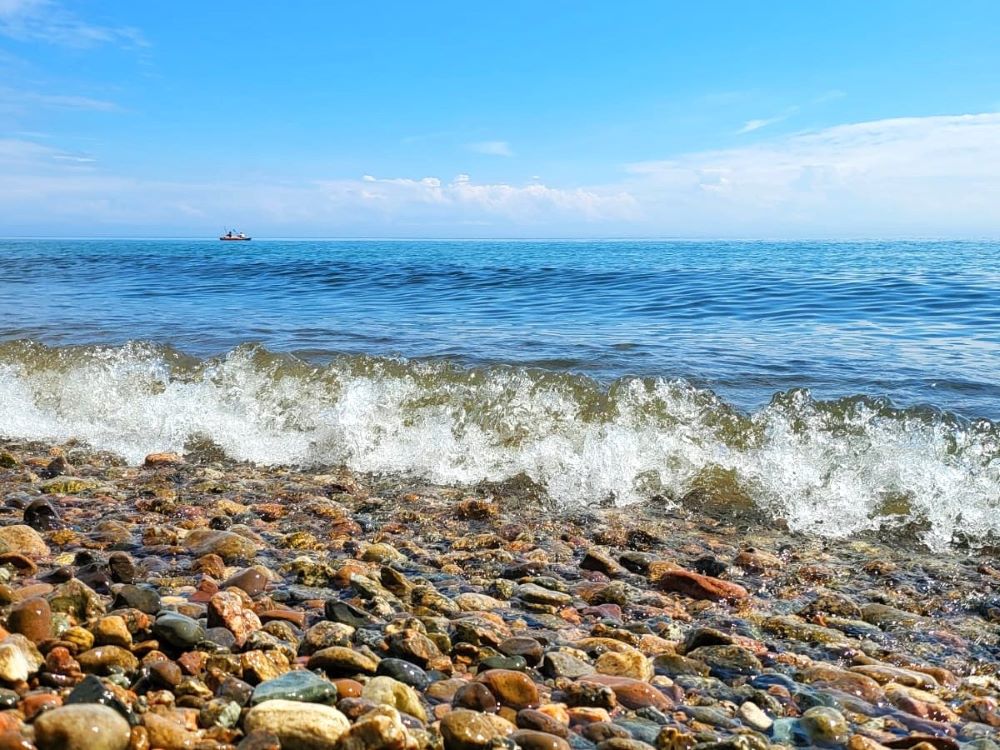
x: 447, y: 614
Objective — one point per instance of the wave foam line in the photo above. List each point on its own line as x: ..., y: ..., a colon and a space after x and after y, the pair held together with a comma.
x: 832, y: 468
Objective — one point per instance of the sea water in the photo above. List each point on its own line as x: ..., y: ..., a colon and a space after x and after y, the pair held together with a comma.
x: 842, y: 387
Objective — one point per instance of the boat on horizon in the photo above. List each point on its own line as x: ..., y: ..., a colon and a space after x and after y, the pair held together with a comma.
x: 232, y: 236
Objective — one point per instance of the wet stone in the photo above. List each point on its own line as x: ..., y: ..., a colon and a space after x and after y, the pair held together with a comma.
x: 219, y: 712
x: 699, y: 586
x: 405, y: 672
x: 562, y: 664
x: 138, y: 597
x: 631, y: 693
x: 342, y: 660
x: 528, y: 649
x: 298, y: 726
x: 252, y: 580
x: 77, y: 599
x: 41, y: 515
x: 221, y: 637
x: 229, y: 545
x: 530, y: 718
x: 535, y: 594
x: 467, y: 730
x: 178, y: 630
x: 386, y: 691
x: 92, y: 690
x: 24, y: 540
x: 598, y: 560
x: 325, y: 634
x: 165, y: 674
x: 515, y: 663
x: 599, y: 731
x: 82, y: 727
x: 674, y: 665
x: 235, y: 690
x: 260, y: 739
x: 632, y: 664
x: 413, y: 646
x: 348, y: 614
x: 529, y: 739
x: 824, y: 726
x: 32, y: 618
x: 14, y: 668
x: 107, y: 659
x: 225, y: 609
x: 297, y: 685
x: 514, y: 689
x: 122, y: 568
x: 754, y: 717
x: 475, y: 696
x: 727, y: 662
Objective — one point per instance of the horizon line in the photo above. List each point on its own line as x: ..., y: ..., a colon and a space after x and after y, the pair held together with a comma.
x: 610, y: 238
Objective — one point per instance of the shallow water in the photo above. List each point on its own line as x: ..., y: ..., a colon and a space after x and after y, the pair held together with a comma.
x: 841, y: 386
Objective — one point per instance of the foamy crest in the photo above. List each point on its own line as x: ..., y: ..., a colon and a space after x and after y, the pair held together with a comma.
x: 829, y: 468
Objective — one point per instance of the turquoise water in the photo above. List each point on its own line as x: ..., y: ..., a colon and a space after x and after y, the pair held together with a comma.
x: 834, y: 383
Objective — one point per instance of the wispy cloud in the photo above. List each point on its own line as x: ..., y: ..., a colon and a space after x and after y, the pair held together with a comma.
x: 829, y: 96
x: 18, y: 99
x: 491, y: 148
x: 21, y: 157
x: 756, y: 124
x: 751, y: 125
x: 48, y: 21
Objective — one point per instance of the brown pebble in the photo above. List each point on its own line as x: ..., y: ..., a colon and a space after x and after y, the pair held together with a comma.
x: 160, y: 460
x: 32, y: 618
x: 260, y: 739
x: 531, y: 718
x: 599, y: 731
x: 138, y: 739
x: 12, y: 740
x: 347, y: 688
x: 528, y: 648
x: 210, y: 564
x: 514, y: 689
x: 698, y: 586
x: 476, y: 697
x: 252, y: 580
x: 529, y: 739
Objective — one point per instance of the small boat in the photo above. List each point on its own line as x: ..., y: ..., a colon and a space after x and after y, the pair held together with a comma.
x: 232, y: 236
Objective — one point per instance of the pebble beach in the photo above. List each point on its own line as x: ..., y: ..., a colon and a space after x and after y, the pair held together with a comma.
x: 197, y: 602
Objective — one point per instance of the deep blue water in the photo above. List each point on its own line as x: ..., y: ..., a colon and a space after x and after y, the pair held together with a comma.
x: 916, y: 322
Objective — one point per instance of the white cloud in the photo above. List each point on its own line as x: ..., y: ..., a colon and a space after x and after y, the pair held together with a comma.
x: 491, y: 148
x: 48, y: 21
x: 41, y: 186
x: 903, y: 176
x: 430, y: 199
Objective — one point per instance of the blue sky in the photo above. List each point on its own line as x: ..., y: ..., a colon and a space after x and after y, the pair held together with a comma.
x: 449, y: 119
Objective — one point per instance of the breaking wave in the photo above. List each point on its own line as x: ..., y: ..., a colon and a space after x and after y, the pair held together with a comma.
x: 827, y: 467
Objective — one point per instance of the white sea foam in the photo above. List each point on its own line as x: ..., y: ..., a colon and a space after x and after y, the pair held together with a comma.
x: 828, y: 468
